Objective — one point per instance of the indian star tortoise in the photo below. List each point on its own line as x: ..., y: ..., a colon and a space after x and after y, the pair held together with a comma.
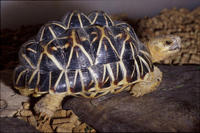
x: 90, y: 56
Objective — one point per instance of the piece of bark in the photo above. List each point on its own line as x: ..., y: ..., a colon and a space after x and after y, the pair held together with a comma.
x: 174, y: 107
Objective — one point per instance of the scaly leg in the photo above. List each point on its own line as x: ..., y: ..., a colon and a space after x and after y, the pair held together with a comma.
x: 151, y: 81
x: 48, y: 105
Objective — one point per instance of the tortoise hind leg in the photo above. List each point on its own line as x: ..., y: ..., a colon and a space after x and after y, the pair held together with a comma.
x: 151, y: 81
x: 49, y: 104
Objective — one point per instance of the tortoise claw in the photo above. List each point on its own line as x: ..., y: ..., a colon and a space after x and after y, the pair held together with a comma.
x: 43, y: 118
x: 40, y: 116
x: 46, y: 118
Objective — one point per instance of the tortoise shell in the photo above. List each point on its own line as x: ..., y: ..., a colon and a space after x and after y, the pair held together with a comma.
x: 82, y: 55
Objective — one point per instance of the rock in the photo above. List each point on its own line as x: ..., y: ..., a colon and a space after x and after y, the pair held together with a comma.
x: 26, y: 105
x: 26, y: 113
x: 45, y: 127
x: 65, y: 128
x: 10, y: 101
x: 174, y: 107
x: 32, y: 121
x: 58, y: 121
x: 60, y: 113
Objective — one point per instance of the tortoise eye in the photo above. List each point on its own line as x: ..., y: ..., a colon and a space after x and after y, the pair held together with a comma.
x: 168, y: 42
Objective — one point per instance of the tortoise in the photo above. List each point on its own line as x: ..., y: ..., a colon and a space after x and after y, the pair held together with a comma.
x: 90, y: 56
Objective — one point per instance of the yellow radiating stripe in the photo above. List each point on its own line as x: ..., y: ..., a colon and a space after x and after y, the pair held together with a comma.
x: 41, y: 55
x: 55, y: 61
x: 82, y: 80
x: 70, y: 57
x: 96, y: 15
x: 52, y: 32
x: 45, y: 46
x: 105, y: 19
x: 39, y: 60
x: 50, y: 80
x: 64, y: 37
x: 75, y: 77
x: 104, y: 72
x: 117, y: 65
x: 101, y: 40
x: 67, y: 83
x: 38, y: 79
x: 106, y: 79
x: 87, y: 18
x: 112, y: 46
x: 29, y: 42
x: 91, y: 82
x: 122, y: 50
x: 80, y: 21
x: 86, y: 54
x: 133, y: 72
x: 77, y: 55
x: 84, y: 38
x: 132, y: 49
x: 19, y: 76
x: 141, y: 66
x: 81, y: 47
x: 49, y: 55
x: 123, y: 69
x: 134, y: 39
x: 98, y: 49
x: 105, y: 47
x: 29, y: 49
x: 94, y: 39
x: 29, y: 62
x: 60, y: 26
x: 137, y: 69
x: 109, y: 18
x: 127, y: 30
x: 32, y: 76
x: 37, y: 83
x: 148, y: 56
x: 42, y: 33
x: 134, y: 46
x: 119, y: 35
x: 120, y: 23
x: 70, y: 20
x: 146, y: 64
x: 58, y: 80
x: 94, y: 76
x: 123, y: 45
x: 146, y: 53
x: 110, y: 72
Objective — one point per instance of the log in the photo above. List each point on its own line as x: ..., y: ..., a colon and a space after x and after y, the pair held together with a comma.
x: 173, y: 107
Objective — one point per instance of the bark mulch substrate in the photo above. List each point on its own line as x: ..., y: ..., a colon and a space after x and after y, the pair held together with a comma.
x: 180, y: 22
x: 62, y: 121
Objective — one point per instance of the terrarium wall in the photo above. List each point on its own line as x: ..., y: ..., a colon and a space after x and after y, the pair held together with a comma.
x: 17, y: 13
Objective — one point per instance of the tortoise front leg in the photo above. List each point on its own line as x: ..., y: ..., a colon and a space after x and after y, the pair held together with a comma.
x: 151, y: 81
x: 49, y: 104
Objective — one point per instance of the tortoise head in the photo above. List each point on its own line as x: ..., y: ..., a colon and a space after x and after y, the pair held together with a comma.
x: 164, y: 47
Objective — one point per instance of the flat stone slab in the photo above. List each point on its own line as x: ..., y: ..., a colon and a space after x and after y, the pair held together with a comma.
x: 10, y: 101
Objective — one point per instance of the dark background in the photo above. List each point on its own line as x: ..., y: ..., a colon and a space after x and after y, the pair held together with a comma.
x: 17, y: 13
